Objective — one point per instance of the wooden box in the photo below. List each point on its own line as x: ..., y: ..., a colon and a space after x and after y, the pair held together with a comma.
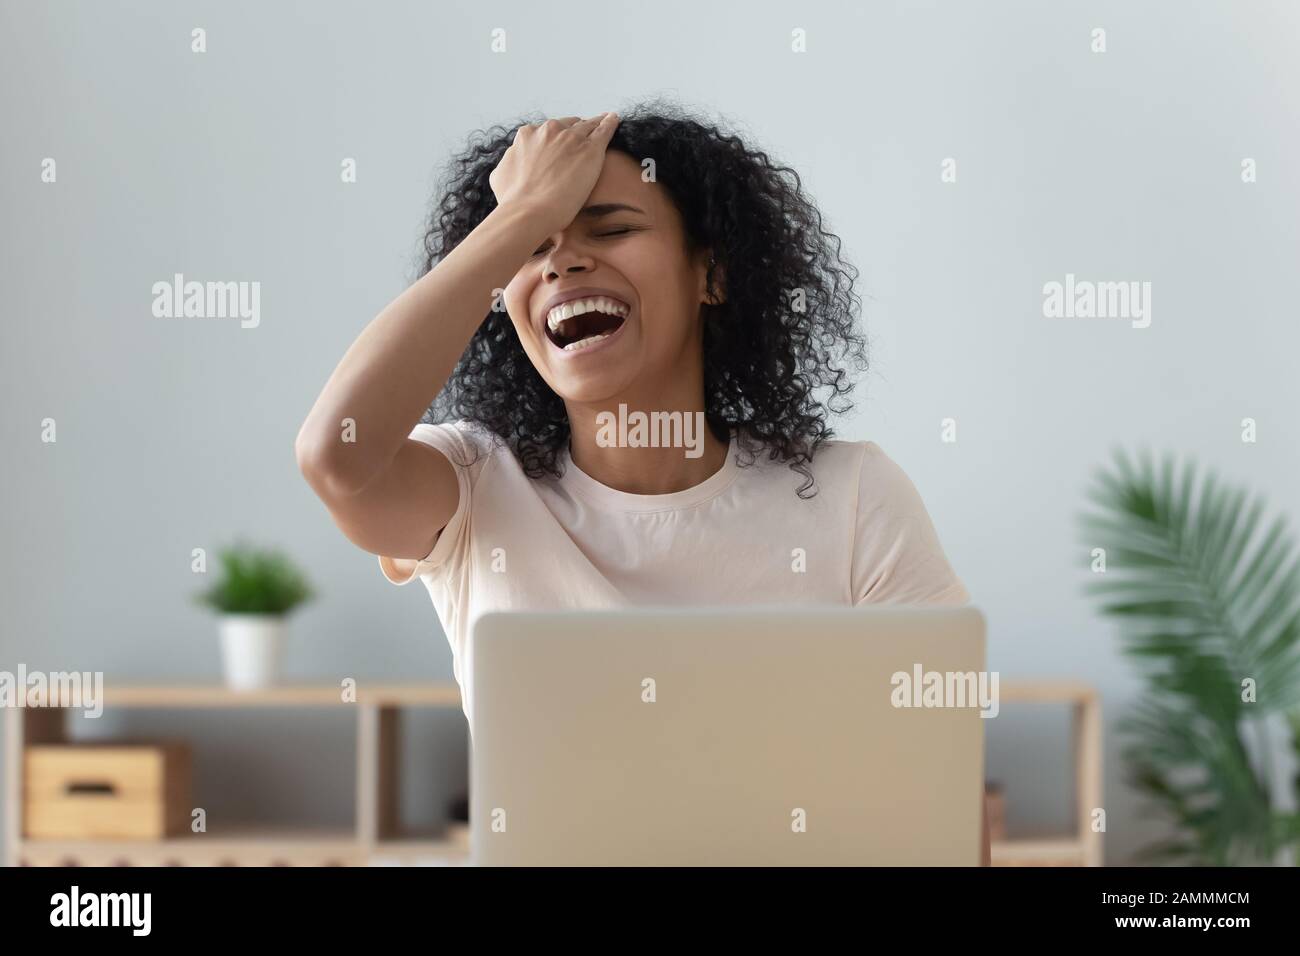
x: 106, y: 790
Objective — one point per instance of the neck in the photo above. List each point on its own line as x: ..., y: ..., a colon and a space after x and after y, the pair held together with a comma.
x: 614, y: 445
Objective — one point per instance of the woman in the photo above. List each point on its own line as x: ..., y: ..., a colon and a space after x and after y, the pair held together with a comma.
x: 580, y: 274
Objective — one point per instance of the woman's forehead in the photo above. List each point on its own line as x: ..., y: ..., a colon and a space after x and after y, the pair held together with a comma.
x: 621, y: 181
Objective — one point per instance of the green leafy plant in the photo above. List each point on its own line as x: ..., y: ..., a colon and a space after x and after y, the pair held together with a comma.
x: 1208, y: 603
x: 256, y: 581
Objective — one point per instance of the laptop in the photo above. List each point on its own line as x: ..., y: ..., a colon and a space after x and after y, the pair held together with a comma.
x: 725, y: 737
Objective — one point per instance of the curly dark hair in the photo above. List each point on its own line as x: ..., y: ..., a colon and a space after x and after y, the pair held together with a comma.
x: 788, y: 322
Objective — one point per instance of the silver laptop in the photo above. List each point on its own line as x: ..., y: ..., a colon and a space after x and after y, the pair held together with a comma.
x: 725, y: 737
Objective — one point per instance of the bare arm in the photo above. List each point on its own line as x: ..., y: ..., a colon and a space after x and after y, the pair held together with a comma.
x: 389, y: 494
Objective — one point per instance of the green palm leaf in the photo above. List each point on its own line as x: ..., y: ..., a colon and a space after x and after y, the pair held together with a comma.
x: 1207, y: 598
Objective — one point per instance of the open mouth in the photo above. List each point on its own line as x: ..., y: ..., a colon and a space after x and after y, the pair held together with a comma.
x: 581, y: 323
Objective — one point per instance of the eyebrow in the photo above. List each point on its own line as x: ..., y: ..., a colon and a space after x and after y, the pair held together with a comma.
x: 604, y: 209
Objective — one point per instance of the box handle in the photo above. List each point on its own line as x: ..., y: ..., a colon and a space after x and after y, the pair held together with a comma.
x: 89, y: 786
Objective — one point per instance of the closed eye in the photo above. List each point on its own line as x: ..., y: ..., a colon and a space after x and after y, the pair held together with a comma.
x: 599, y: 235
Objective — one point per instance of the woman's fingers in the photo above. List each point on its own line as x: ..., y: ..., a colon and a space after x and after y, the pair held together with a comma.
x: 557, y: 122
x: 605, y: 125
x: 604, y: 122
x: 588, y: 127
x: 585, y: 128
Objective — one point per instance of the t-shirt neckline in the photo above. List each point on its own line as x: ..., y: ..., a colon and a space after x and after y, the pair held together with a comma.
x: 578, y: 481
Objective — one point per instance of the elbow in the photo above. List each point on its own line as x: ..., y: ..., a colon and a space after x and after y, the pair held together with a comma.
x: 321, y: 465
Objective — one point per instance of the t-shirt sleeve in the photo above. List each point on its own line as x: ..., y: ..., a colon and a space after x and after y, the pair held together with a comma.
x: 897, y: 555
x: 466, y: 456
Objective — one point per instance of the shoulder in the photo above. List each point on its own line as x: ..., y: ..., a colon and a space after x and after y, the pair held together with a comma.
x: 466, y: 444
x: 866, y: 471
x: 848, y: 474
x: 898, y: 557
x: 883, y: 482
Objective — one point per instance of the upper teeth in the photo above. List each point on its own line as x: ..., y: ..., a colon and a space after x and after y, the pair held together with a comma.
x: 598, y: 303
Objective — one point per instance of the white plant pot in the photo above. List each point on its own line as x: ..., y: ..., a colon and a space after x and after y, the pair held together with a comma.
x: 252, y: 646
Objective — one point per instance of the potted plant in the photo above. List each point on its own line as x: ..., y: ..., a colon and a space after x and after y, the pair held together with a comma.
x: 1207, y: 597
x: 255, y: 593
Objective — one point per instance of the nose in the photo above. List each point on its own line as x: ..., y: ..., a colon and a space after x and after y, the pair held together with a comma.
x: 565, y: 258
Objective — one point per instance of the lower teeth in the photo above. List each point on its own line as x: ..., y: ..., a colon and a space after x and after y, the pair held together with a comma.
x: 583, y: 343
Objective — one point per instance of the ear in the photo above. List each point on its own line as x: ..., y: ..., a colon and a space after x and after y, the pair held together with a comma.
x: 718, y: 277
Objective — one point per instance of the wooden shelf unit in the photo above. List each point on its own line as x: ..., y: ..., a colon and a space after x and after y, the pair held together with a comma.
x: 1083, y: 847
x: 376, y: 837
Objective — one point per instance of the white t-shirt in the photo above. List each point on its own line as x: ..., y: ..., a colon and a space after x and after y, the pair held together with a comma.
x: 740, y: 537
